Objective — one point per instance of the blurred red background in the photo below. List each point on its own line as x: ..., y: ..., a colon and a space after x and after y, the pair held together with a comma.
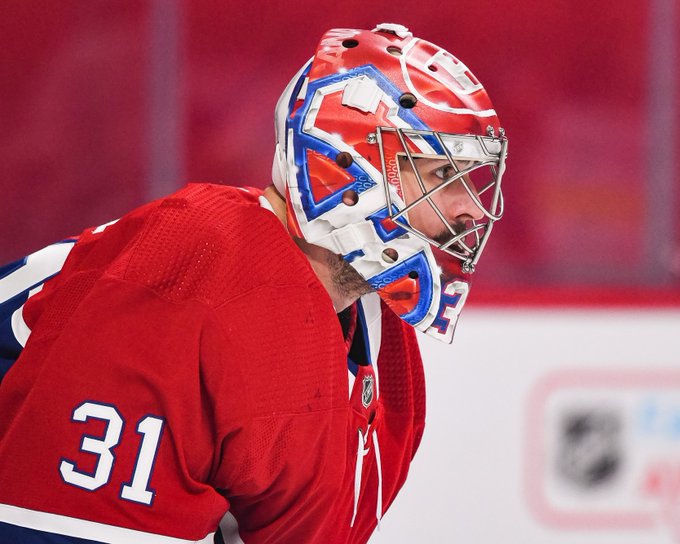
x: 106, y: 105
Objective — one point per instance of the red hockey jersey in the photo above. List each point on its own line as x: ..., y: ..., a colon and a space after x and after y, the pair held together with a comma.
x: 186, y: 362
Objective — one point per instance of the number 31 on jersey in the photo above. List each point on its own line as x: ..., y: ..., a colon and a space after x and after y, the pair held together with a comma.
x: 149, y: 427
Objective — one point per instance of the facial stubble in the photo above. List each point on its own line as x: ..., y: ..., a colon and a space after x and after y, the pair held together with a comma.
x: 346, y: 279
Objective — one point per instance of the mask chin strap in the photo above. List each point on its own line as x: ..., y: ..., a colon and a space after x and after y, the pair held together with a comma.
x: 348, y: 238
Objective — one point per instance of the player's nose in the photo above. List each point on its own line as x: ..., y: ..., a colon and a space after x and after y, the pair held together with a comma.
x: 461, y: 202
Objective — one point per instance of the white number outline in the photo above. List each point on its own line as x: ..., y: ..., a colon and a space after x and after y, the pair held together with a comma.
x: 137, y: 489
x: 97, y: 445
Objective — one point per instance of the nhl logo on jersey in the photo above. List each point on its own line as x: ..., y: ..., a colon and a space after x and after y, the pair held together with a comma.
x: 367, y: 391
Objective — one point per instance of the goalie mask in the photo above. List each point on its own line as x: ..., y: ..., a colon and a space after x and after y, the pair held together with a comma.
x: 389, y: 153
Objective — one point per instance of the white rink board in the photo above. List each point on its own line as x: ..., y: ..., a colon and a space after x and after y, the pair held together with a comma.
x: 557, y: 426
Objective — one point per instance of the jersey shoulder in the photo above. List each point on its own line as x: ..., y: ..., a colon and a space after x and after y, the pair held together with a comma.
x: 209, y: 243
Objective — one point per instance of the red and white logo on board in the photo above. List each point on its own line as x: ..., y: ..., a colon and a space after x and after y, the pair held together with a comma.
x: 603, y: 450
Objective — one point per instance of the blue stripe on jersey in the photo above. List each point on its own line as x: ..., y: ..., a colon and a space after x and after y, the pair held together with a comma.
x: 359, y: 352
x: 5, y: 365
x: 22, y: 535
x: 362, y: 327
x: 10, y: 348
x: 7, y: 269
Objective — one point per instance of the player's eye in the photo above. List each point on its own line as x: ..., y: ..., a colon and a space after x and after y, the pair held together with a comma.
x: 445, y: 172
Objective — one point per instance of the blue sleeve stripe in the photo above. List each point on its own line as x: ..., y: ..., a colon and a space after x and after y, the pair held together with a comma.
x: 26, y: 526
x: 9, y: 344
x: 5, y: 365
x: 7, y: 269
x: 23, y: 535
